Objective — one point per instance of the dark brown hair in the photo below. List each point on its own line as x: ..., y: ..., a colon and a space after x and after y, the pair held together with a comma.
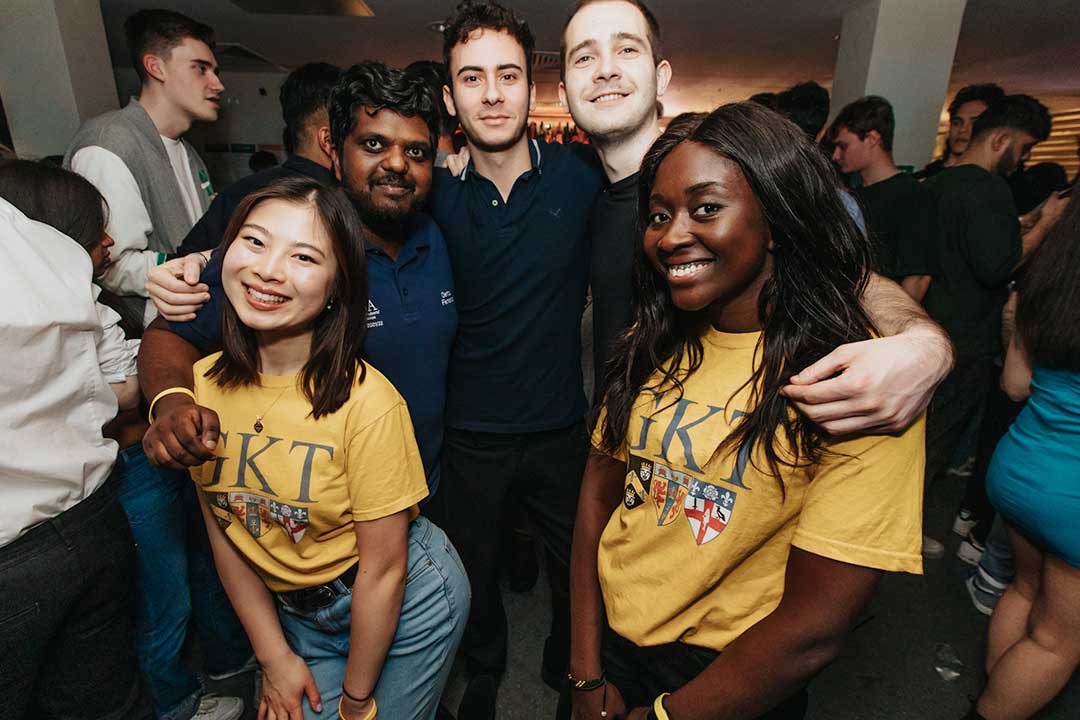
x: 157, y: 32
x: 338, y: 338
x: 471, y: 15
x: 60, y: 198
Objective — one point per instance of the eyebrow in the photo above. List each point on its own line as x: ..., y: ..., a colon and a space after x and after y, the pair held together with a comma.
x: 260, y: 228
x: 707, y: 185
x: 309, y: 246
x: 477, y: 68
x: 205, y: 63
x: 629, y: 36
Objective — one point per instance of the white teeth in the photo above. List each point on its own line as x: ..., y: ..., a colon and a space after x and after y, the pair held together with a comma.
x: 686, y: 269
x: 610, y: 96
x: 264, y: 297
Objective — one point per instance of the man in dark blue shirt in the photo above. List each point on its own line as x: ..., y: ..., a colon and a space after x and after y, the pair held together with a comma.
x: 385, y: 124
x: 516, y: 222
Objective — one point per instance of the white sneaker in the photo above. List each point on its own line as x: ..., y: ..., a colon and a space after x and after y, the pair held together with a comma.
x: 963, y: 523
x: 970, y: 551
x: 216, y: 707
x: 932, y: 549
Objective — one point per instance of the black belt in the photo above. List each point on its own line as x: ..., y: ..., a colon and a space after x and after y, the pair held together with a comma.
x: 319, y: 596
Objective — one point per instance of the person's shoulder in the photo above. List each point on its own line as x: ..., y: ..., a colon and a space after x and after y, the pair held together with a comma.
x: 371, y: 398
x: 202, y: 365
x: 577, y: 158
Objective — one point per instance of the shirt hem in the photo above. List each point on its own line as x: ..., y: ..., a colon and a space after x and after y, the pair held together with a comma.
x: 875, y: 558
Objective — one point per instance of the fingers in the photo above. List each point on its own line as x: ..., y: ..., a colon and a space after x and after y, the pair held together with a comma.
x: 261, y: 714
x: 312, y: 692
x: 825, y: 368
x: 835, y: 389
x: 193, y: 267
x: 157, y: 454
x: 211, y: 429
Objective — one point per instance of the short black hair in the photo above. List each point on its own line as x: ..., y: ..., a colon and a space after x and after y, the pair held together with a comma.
x: 765, y: 99
x: 872, y: 112
x: 472, y: 15
x: 157, y: 32
x: 376, y: 86
x: 988, y: 93
x: 1015, y: 112
x: 434, y: 74
x: 652, y: 27
x: 305, y: 92
x: 806, y: 105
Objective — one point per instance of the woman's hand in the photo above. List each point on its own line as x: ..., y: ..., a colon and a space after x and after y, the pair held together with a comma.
x: 286, y: 679
x: 353, y: 710
x: 588, y: 704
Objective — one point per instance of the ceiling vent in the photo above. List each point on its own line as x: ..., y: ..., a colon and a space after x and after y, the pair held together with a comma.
x: 346, y: 8
x: 544, y: 60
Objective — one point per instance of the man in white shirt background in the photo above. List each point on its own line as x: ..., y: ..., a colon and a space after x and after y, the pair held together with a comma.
x: 154, y: 182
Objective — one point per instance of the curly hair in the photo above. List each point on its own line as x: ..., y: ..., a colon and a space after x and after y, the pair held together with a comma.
x: 472, y: 15
x: 808, y: 306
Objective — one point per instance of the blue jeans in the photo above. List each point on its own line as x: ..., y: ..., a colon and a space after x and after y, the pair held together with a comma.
x: 433, y: 613
x: 176, y: 581
x: 996, y: 567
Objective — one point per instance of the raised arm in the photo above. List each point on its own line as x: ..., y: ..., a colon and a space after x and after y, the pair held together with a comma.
x: 183, y: 434
x: 822, y: 600
x: 601, y: 492
x: 878, y: 385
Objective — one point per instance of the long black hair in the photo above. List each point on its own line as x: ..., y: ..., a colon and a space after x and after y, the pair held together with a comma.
x: 337, y: 339
x: 806, y: 308
x: 1048, y: 310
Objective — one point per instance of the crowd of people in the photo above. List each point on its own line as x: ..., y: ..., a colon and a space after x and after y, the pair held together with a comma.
x: 303, y: 415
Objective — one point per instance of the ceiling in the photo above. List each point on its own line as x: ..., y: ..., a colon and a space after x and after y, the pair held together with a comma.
x: 720, y: 50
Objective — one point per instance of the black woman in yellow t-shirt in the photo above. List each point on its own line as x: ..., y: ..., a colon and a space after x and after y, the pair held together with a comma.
x: 724, y: 544
x: 354, y: 604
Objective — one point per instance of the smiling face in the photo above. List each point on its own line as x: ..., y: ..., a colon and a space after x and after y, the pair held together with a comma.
x: 960, y: 123
x: 611, y: 82
x: 707, y: 235
x: 190, y: 78
x: 385, y: 165
x: 491, y: 91
x: 279, y: 270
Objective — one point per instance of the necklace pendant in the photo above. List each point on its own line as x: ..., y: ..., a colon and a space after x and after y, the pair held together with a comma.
x: 258, y: 426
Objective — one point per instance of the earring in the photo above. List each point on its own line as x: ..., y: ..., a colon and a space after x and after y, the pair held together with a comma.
x: 330, y: 304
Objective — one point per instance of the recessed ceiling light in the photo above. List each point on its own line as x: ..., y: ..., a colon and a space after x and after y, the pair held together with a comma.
x: 437, y: 26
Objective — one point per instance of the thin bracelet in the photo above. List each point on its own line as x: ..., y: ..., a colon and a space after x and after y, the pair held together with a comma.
x: 353, y: 697
x: 658, y: 707
x: 587, y: 685
x: 370, y: 716
x: 168, y: 391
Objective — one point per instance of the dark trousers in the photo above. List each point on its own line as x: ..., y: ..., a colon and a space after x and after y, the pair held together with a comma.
x: 485, y: 476
x: 642, y: 673
x: 959, y: 399
x: 67, y: 642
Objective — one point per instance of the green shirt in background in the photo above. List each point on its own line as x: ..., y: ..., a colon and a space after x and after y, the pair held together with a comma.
x: 902, y: 222
x: 979, y: 249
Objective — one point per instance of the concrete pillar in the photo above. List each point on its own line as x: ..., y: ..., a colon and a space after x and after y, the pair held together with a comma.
x: 902, y: 50
x: 55, y: 71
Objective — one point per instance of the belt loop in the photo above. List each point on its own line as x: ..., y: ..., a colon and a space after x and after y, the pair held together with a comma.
x: 59, y: 528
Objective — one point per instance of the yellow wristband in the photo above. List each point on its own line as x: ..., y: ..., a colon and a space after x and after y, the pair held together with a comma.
x: 163, y: 393
x: 658, y: 707
x: 369, y: 716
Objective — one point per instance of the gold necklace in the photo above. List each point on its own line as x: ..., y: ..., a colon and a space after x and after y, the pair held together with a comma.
x: 258, y: 418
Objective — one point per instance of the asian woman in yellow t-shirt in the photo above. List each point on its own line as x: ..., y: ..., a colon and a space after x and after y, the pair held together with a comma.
x: 354, y: 604
x: 725, y: 545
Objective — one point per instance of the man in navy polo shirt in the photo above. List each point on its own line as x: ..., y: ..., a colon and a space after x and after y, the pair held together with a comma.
x: 384, y: 125
x: 516, y: 223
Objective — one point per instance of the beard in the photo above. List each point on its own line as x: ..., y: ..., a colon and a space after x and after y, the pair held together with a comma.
x: 381, y: 213
x: 1007, y: 164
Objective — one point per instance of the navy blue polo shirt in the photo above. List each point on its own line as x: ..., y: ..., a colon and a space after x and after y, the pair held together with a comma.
x: 520, y: 272
x: 411, y: 323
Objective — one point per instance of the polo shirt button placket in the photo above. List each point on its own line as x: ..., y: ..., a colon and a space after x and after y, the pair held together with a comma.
x: 495, y: 203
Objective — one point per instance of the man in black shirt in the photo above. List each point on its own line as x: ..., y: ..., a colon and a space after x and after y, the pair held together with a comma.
x: 901, y: 216
x: 613, y: 74
x: 980, y: 246
x: 970, y: 102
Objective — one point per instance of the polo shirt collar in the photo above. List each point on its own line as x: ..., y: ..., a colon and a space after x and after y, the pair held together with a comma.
x: 534, y: 155
x: 418, y: 237
x: 310, y: 168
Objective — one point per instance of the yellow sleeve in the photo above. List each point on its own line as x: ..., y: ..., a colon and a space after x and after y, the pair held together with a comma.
x: 598, y: 438
x: 383, y: 466
x: 864, y: 505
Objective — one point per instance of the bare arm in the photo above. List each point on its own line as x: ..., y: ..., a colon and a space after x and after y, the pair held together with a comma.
x: 878, y: 385
x: 286, y: 677
x: 1016, y: 375
x: 183, y: 434
x: 601, y: 491
x: 127, y: 393
x: 1037, y: 224
x: 916, y: 286
x: 376, y: 604
x: 822, y: 600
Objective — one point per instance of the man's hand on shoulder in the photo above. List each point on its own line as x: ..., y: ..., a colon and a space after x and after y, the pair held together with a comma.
x: 175, y: 289
x: 183, y: 434
x: 874, y: 386
x: 457, y: 162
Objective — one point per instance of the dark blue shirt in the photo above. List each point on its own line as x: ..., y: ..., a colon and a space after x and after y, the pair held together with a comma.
x: 411, y: 322
x: 520, y: 271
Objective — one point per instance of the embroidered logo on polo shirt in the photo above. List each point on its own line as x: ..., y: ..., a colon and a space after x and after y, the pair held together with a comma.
x: 373, y: 320
x: 447, y: 297
x: 555, y: 213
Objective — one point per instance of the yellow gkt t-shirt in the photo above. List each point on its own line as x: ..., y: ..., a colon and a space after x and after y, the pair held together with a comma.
x: 696, y: 552
x: 287, y: 497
